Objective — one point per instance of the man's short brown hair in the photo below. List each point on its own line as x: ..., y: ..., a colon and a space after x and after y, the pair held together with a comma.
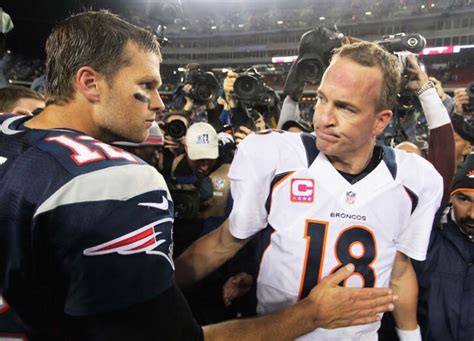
x: 95, y: 39
x: 10, y: 95
x: 371, y: 54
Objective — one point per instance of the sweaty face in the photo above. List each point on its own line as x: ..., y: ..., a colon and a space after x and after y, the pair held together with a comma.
x: 129, y: 104
x: 463, y: 205
x: 345, y: 119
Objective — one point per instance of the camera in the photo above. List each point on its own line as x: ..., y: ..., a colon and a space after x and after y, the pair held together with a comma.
x: 205, y: 85
x: 314, y: 53
x: 470, y: 92
x: 186, y: 203
x: 250, y: 88
x: 402, y: 45
x: 175, y: 128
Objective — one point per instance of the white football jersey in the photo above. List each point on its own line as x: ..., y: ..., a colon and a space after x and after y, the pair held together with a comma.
x: 320, y: 221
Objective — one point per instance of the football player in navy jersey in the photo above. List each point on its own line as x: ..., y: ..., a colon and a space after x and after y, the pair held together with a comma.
x: 86, y: 228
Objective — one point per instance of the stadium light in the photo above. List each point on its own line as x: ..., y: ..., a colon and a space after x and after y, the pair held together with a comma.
x: 322, y: 18
x: 368, y: 13
x: 432, y: 5
x: 213, y: 27
x: 279, y: 22
x: 422, y: 6
x: 183, y: 28
x: 241, y: 25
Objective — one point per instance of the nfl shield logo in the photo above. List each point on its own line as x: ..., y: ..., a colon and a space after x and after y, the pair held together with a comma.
x: 350, y: 197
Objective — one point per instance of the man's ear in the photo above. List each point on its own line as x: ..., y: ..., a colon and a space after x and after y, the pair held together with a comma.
x: 87, y: 83
x: 382, y: 120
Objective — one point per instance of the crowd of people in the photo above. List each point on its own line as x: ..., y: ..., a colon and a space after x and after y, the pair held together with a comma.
x: 122, y: 219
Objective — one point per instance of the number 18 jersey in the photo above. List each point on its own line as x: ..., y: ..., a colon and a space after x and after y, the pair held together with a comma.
x: 319, y: 221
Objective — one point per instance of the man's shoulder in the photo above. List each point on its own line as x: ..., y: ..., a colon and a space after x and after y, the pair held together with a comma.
x: 415, y: 172
x: 272, y: 140
x: 80, y: 154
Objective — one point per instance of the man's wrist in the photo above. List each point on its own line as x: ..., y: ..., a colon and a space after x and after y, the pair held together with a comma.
x: 409, y: 335
x: 426, y: 86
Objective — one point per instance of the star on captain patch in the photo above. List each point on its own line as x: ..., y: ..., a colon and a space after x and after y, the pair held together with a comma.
x: 350, y: 197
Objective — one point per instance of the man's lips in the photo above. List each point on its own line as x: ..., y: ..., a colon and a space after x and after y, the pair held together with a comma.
x: 326, y: 136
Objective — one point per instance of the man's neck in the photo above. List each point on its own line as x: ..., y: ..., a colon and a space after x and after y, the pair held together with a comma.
x: 68, y: 116
x: 352, y: 164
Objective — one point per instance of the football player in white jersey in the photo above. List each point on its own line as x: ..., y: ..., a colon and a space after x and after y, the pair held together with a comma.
x: 327, y: 201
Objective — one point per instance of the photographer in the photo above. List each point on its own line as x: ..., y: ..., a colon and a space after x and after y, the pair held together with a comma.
x: 250, y: 103
x: 198, y: 91
x: 202, y: 173
x: 173, y: 126
x: 200, y: 191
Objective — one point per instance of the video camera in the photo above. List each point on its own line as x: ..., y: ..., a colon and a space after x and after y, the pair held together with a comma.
x: 470, y: 92
x: 314, y: 54
x: 205, y: 84
x: 402, y: 45
x: 249, y: 87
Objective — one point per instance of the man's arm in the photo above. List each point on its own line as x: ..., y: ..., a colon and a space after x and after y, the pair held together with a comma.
x: 404, y: 284
x: 327, y: 306
x: 206, y: 255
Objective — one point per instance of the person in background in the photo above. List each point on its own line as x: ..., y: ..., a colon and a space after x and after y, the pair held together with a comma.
x: 19, y: 100
x: 446, y: 277
x: 148, y: 150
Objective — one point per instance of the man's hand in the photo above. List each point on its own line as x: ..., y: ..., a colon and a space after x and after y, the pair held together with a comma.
x: 229, y: 88
x: 242, y: 134
x: 173, y: 145
x: 439, y: 88
x: 337, y: 306
x: 419, y: 77
x: 187, y: 89
x: 235, y: 287
x: 460, y: 98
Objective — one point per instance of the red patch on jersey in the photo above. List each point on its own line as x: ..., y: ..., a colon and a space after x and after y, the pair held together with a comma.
x: 302, y: 190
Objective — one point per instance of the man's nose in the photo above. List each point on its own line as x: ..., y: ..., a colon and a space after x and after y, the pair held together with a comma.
x: 324, y: 115
x: 156, y: 103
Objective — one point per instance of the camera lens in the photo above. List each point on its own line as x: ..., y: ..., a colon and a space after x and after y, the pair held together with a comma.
x: 470, y: 89
x: 310, y: 70
x: 245, y: 87
x: 176, y: 129
x: 204, y: 92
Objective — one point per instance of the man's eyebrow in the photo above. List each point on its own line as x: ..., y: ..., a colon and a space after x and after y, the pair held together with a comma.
x: 339, y: 103
x: 151, y: 80
x: 463, y: 196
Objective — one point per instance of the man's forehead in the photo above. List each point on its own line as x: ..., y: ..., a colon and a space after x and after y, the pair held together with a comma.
x: 143, y: 60
x: 343, y: 71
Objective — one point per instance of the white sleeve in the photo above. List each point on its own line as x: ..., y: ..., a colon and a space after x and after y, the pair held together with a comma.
x: 414, y: 238
x: 251, y: 174
x: 434, y: 110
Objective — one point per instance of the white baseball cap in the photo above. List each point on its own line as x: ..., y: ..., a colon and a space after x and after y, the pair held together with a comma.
x: 202, y: 142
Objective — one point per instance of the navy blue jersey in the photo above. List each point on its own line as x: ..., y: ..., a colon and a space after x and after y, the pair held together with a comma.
x: 85, y: 228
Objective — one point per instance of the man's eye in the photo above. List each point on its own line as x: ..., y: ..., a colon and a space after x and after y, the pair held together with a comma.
x: 147, y: 86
